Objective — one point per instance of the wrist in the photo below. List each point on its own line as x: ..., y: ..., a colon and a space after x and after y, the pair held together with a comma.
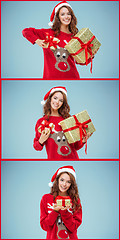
x: 41, y: 143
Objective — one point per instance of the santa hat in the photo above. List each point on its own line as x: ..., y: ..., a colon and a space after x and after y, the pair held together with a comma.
x: 52, y: 90
x: 56, y: 8
x: 68, y: 169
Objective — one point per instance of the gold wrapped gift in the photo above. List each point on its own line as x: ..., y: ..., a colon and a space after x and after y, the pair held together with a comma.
x: 59, y: 202
x: 67, y: 202
x: 77, y: 126
x: 81, y: 43
x: 63, y: 201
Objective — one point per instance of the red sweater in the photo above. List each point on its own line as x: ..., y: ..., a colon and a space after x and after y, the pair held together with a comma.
x: 58, y: 64
x: 56, y: 145
x: 48, y: 219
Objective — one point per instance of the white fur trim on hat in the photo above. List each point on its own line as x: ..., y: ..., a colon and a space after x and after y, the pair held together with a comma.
x: 58, y: 89
x: 67, y: 170
x: 61, y: 5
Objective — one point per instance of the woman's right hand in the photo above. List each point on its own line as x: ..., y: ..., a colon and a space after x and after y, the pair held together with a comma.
x: 41, y: 43
x: 44, y: 135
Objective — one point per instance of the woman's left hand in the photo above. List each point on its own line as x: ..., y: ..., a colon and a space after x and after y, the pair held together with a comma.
x: 84, y: 138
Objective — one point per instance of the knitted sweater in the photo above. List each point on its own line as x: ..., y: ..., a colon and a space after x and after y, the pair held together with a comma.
x: 58, y: 64
x: 48, y: 220
x: 56, y: 145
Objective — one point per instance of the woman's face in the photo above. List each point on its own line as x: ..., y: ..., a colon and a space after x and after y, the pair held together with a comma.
x: 64, y: 16
x: 64, y: 183
x: 56, y: 101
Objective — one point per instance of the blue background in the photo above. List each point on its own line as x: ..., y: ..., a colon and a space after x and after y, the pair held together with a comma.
x: 21, y: 108
x: 20, y: 59
x: 24, y: 183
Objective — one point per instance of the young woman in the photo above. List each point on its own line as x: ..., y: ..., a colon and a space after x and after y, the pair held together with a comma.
x: 58, y: 64
x: 60, y: 219
x: 49, y: 132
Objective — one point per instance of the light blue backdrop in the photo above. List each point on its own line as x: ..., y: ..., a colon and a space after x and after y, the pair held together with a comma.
x: 21, y: 108
x: 20, y: 59
x: 24, y: 183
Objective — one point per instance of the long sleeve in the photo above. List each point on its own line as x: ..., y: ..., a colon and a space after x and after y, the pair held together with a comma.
x: 32, y: 34
x: 77, y: 145
x: 72, y: 222
x: 36, y: 143
x: 46, y: 220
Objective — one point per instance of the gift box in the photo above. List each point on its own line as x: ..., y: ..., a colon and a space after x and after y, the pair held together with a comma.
x: 44, y: 124
x: 83, y: 46
x: 51, y: 41
x: 77, y: 127
x: 63, y: 201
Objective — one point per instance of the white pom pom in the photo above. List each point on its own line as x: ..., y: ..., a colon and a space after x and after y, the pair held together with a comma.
x: 50, y: 24
x: 43, y: 102
x: 50, y: 184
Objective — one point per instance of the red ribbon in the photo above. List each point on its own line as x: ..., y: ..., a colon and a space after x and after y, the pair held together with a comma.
x: 49, y: 39
x: 87, y: 46
x: 44, y: 125
x: 82, y: 129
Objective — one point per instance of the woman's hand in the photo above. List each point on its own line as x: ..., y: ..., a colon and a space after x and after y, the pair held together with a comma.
x: 56, y: 208
x: 44, y: 135
x: 41, y: 43
x: 84, y: 138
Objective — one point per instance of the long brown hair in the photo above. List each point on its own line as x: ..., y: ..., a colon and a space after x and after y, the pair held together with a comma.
x: 72, y: 26
x: 72, y: 191
x: 63, y: 110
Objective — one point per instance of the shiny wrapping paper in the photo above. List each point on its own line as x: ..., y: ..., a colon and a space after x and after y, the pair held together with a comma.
x: 74, y: 45
x: 74, y: 135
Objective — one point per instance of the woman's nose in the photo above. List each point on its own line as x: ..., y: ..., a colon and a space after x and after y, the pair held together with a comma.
x: 64, y: 184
